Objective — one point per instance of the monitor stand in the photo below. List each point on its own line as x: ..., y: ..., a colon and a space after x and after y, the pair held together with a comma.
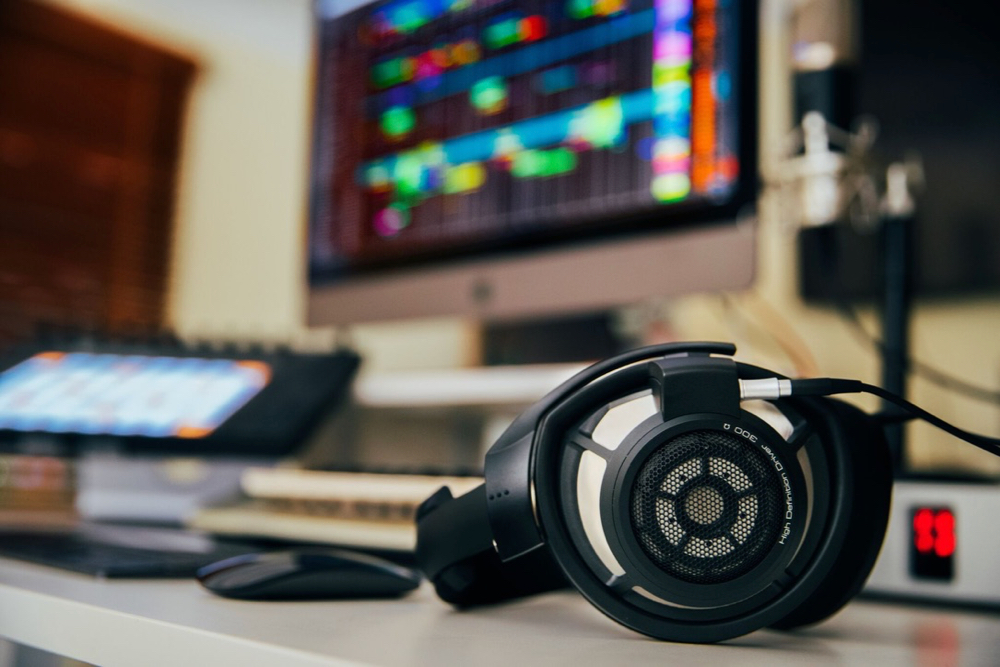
x: 552, y: 340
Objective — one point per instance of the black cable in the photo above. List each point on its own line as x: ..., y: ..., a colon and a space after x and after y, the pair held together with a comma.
x: 893, y: 416
x: 933, y: 375
x: 829, y: 259
x: 829, y: 386
x: 983, y: 442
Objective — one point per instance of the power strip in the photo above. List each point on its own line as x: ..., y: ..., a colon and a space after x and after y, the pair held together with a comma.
x: 942, y: 544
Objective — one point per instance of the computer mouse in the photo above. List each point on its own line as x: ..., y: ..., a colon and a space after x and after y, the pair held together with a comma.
x: 307, y: 574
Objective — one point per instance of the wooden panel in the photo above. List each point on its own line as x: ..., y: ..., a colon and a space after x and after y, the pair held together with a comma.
x: 60, y: 92
x: 42, y: 169
x: 90, y: 127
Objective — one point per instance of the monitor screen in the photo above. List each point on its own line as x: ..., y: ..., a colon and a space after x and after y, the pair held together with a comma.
x: 447, y: 131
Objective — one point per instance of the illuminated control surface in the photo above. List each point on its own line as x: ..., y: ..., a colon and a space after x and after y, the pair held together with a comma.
x: 124, y: 395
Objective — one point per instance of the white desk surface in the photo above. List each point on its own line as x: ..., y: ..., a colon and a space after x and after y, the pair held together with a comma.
x: 178, y: 623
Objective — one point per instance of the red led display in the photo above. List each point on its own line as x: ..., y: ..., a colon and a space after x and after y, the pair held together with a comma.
x: 933, y: 543
x: 944, y: 530
x: 923, y: 530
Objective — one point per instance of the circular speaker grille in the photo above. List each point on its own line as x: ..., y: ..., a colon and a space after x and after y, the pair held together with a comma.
x: 707, y: 507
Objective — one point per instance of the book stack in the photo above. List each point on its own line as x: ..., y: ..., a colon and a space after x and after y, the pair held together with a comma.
x: 374, y: 511
x: 36, y: 491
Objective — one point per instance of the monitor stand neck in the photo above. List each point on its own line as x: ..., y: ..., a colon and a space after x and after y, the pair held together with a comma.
x: 553, y: 339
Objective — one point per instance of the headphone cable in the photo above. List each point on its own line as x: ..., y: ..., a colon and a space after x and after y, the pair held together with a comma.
x: 775, y: 388
x: 931, y: 374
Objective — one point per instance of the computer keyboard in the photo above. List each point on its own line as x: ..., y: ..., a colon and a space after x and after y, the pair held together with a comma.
x: 114, y: 552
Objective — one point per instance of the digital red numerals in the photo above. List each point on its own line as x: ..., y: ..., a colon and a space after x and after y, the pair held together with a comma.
x: 933, y: 545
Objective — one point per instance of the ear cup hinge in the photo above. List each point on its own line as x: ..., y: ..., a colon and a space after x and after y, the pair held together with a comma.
x: 508, y: 499
x: 450, y: 530
x: 455, y: 551
x: 695, y: 385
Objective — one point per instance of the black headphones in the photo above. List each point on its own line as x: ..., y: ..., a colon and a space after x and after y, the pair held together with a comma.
x: 687, y: 496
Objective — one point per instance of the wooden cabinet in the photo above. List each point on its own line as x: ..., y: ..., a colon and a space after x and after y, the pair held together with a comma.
x: 90, y: 131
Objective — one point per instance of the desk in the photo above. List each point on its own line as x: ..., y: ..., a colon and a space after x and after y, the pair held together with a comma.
x: 178, y: 623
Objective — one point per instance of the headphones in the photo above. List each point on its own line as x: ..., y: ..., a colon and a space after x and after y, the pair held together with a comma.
x: 687, y: 496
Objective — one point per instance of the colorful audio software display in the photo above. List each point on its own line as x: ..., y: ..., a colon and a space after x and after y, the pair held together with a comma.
x: 126, y: 395
x: 457, y: 124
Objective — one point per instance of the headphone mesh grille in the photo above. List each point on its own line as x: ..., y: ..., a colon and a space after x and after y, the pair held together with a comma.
x: 707, y: 507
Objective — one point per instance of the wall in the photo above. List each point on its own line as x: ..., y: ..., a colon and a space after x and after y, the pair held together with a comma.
x: 238, y: 265
x: 238, y: 268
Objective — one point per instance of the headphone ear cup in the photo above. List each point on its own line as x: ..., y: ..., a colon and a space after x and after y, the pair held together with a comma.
x: 862, y: 490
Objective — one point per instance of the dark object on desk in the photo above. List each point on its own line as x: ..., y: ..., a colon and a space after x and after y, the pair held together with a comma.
x: 119, y: 551
x: 675, y: 507
x: 307, y: 574
x: 668, y: 504
x: 167, y: 397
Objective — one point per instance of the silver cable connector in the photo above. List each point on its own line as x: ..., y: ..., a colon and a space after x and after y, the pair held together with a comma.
x: 767, y: 389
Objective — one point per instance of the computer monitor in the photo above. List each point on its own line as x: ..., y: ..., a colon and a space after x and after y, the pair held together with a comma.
x: 519, y: 158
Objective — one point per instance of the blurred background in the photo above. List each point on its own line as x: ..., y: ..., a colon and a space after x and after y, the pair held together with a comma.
x: 176, y: 199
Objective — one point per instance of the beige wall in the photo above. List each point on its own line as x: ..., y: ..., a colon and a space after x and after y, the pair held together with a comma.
x: 239, y: 267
